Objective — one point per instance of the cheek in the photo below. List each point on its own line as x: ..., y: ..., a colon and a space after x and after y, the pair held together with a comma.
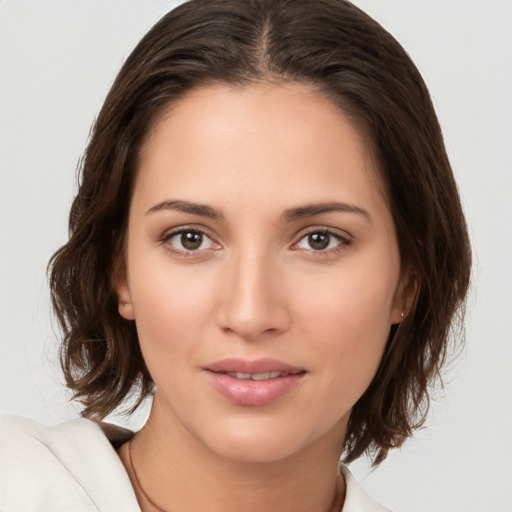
x: 349, y: 320
x: 352, y: 301
x: 171, y: 307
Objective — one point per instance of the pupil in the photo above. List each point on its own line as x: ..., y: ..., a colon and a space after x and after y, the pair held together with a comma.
x: 318, y: 241
x: 191, y: 240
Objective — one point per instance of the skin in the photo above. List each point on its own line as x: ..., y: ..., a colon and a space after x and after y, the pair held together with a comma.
x: 255, y: 288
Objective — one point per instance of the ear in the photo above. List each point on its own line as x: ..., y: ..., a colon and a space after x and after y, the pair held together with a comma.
x: 405, y: 296
x: 122, y: 289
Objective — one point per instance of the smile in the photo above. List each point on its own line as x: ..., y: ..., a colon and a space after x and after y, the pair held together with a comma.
x: 253, y: 383
x: 257, y: 376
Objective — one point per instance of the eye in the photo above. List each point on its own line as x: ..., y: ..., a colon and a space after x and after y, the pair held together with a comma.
x: 321, y: 240
x: 190, y: 240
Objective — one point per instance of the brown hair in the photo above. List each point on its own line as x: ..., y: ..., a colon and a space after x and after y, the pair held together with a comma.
x: 344, y: 54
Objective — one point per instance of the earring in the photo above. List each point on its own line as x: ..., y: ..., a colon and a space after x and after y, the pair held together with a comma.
x: 402, y: 314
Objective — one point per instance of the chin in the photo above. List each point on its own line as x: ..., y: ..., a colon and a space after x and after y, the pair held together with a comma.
x: 257, y: 451
x: 259, y: 441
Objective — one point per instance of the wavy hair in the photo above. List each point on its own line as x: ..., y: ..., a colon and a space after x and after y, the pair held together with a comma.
x: 343, y: 54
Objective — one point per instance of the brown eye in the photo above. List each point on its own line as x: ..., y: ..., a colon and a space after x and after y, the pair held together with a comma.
x: 191, y: 240
x: 319, y: 241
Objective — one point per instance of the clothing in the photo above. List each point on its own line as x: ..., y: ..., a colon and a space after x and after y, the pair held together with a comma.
x: 73, y: 467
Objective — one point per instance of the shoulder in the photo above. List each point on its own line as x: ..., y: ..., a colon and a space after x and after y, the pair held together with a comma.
x: 71, y: 466
x: 356, y: 498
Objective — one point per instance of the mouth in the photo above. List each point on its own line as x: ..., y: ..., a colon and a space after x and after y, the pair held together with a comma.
x: 259, y: 376
x: 253, y: 383
x: 258, y: 369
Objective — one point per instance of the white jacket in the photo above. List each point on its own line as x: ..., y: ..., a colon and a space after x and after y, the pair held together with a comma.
x: 73, y: 467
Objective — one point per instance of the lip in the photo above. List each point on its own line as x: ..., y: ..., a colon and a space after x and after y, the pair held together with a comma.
x: 263, y: 365
x: 254, y: 393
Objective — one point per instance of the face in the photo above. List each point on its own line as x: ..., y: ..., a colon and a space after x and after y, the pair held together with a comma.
x: 262, y: 270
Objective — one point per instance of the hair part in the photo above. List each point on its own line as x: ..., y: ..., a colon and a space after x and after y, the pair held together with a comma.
x: 339, y: 51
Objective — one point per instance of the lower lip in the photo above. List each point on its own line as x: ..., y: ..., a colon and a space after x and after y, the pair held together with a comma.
x: 253, y: 392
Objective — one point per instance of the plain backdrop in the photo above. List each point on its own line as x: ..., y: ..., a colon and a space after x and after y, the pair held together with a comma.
x: 57, y: 61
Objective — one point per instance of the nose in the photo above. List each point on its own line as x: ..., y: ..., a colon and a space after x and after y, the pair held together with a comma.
x: 253, y: 301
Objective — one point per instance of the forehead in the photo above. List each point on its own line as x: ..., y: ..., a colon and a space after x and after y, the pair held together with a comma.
x: 267, y: 138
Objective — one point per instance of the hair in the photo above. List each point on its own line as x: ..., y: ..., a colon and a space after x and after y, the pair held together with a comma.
x: 342, y: 53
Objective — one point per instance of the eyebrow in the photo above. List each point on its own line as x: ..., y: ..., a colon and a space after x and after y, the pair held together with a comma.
x: 292, y: 214
x: 311, y: 210
x: 187, y: 207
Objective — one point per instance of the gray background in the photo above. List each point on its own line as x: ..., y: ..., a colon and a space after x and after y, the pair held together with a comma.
x: 57, y: 60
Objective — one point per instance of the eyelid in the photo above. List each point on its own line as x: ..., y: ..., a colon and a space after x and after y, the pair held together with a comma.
x: 170, y: 233
x: 344, y: 238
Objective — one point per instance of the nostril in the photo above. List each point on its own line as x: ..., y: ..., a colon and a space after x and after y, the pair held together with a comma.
x: 251, y: 303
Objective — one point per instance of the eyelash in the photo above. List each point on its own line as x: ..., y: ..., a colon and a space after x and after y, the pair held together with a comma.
x: 166, y: 240
x: 342, y: 241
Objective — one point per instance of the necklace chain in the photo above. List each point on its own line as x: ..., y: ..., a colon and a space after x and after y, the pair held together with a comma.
x: 340, y: 496
x: 152, y: 503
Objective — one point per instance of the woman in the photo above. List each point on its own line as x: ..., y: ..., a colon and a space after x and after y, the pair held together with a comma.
x: 268, y: 235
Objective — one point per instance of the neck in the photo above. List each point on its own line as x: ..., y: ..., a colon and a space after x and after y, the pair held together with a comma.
x: 178, y: 473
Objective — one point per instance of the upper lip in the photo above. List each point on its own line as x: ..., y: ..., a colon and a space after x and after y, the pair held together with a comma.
x: 263, y: 365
